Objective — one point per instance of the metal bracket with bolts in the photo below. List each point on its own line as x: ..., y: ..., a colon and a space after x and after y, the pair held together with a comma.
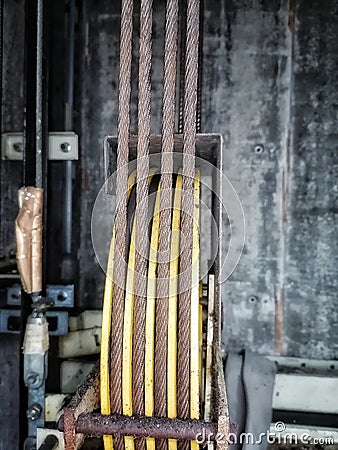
x: 63, y: 146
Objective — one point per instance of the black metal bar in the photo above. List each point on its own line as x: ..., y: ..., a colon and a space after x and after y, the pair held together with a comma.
x: 67, y: 266
x: 30, y: 93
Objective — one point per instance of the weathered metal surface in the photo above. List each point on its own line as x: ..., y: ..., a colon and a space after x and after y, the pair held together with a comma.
x: 247, y: 49
x: 267, y: 91
x: 10, y: 179
x: 12, y: 121
x: 311, y: 269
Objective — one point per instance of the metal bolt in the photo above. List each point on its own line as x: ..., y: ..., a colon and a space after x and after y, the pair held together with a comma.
x: 66, y: 147
x: 33, y: 378
x: 62, y: 296
x: 259, y: 148
x: 34, y: 411
x: 18, y: 147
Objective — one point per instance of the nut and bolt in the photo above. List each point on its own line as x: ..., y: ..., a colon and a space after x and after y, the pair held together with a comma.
x: 34, y: 411
x: 66, y: 147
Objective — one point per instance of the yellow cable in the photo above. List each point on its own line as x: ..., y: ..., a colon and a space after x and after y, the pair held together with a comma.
x: 127, y: 357
x: 172, y: 310
x: 150, y: 317
x: 106, y: 329
x: 195, y: 328
x: 106, y: 324
x: 127, y: 375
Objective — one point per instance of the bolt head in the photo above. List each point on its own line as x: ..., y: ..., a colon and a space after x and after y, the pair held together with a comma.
x: 34, y: 411
x: 18, y: 147
x: 66, y: 147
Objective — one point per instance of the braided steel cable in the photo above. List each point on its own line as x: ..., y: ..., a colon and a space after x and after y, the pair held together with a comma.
x: 188, y: 171
x: 142, y: 240
x: 121, y: 211
x: 183, y: 35
x: 200, y: 70
x: 168, y: 129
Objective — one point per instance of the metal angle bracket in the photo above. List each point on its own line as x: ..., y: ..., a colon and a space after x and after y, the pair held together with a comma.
x: 62, y: 295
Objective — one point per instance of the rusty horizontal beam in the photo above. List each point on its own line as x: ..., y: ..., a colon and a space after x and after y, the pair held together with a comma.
x: 96, y: 424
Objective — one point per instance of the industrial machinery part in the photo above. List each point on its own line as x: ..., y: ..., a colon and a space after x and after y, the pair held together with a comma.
x: 208, y: 147
x: 160, y: 375
x: 35, y: 350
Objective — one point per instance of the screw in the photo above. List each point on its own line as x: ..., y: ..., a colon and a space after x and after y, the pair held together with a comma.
x: 33, y: 378
x: 34, y: 411
x: 66, y: 147
x: 18, y: 147
x: 259, y: 148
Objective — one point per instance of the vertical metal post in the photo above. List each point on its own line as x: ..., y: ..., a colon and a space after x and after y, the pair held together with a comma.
x: 67, y: 266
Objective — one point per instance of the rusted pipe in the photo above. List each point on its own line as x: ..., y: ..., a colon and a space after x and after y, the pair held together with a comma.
x: 141, y: 426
